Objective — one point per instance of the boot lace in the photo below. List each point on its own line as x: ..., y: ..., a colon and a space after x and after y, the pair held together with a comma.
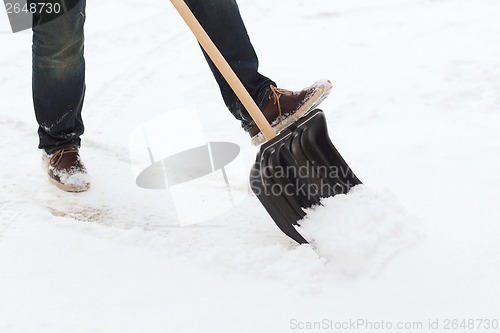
x: 277, y: 93
x: 57, y: 157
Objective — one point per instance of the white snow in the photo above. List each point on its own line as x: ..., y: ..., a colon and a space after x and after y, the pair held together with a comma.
x: 360, y: 232
x: 414, y: 111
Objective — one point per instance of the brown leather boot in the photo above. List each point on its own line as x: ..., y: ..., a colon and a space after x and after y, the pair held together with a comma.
x: 66, y: 170
x: 284, y: 107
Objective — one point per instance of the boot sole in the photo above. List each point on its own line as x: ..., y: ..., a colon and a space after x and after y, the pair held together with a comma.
x: 69, y: 188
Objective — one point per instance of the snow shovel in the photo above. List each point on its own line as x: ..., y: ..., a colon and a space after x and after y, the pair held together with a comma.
x: 295, y: 169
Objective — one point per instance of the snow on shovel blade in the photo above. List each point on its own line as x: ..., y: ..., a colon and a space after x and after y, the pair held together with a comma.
x: 297, y: 168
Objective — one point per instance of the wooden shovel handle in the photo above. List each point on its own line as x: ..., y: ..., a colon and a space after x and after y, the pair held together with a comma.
x: 224, y: 68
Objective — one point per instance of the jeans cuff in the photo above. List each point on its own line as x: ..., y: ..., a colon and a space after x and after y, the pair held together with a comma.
x: 63, y: 147
x: 261, y: 103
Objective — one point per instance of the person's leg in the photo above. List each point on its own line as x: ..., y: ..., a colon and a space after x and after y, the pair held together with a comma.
x: 59, y: 77
x: 222, y: 21
x: 58, y: 93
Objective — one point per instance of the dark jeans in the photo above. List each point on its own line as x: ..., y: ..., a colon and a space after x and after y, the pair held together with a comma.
x: 59, y: 68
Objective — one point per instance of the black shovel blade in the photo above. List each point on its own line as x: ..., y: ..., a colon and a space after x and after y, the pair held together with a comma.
x: 298, y: 168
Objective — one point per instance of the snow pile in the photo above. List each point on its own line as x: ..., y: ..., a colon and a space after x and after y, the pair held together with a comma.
x: 361, y: 231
